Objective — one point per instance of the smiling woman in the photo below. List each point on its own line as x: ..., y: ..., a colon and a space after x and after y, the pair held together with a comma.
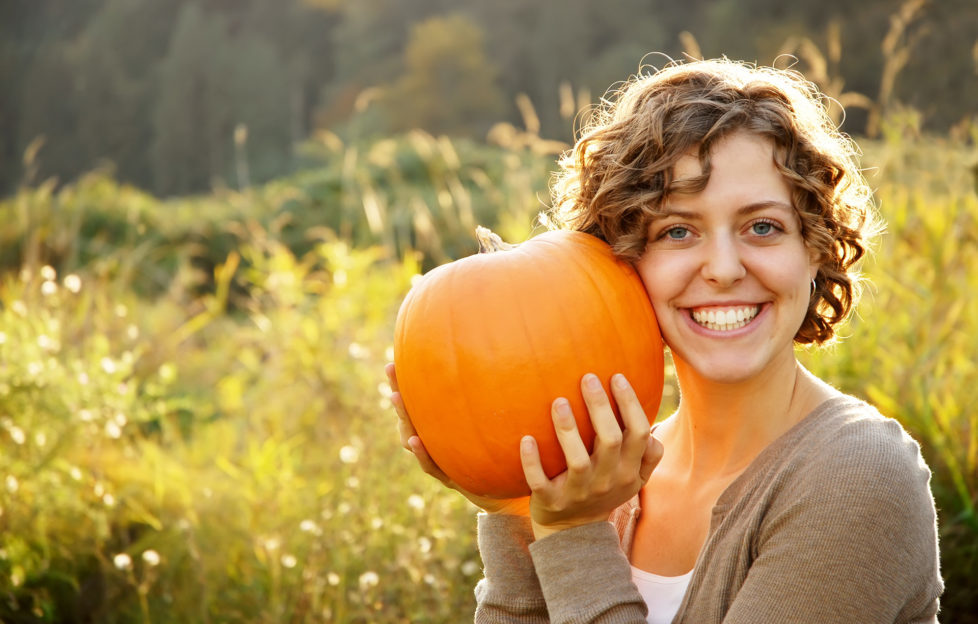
x: 728, y: 264
x: 777, y: 497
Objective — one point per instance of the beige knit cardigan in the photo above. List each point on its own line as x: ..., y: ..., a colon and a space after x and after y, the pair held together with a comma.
x: 833, y: 522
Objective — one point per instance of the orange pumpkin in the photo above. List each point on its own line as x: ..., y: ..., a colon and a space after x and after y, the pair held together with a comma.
x: 483, y: 346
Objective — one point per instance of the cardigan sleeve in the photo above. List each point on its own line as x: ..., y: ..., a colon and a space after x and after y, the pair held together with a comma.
x: 509, y: 592
x: 586, y: 578
x: 852, y: 538
x: 575, y: 576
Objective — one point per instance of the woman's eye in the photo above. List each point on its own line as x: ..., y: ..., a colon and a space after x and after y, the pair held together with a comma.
x: 762, y: 228
x: 677, y: 233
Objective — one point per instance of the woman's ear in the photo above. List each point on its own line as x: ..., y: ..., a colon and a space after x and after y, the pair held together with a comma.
x: 814, y: 260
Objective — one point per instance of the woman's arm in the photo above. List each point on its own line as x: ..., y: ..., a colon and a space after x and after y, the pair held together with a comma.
x: 586, y: 577
x: 583, y: 574
x: 509, y: 591
x: 578, y: 575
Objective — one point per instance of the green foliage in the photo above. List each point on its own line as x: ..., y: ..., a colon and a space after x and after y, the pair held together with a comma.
x: 448, y: 85
x: 192, y: 400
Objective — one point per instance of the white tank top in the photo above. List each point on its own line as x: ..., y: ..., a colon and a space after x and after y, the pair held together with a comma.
x: 662, y: 594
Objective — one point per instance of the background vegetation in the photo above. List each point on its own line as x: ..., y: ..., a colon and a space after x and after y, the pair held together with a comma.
x: 192, y: 406
x: 181, y: 95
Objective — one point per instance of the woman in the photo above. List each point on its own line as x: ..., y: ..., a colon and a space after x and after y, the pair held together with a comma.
x: 769, y: 496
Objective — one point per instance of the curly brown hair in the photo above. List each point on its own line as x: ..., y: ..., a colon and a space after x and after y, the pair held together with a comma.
x: 614, y: 181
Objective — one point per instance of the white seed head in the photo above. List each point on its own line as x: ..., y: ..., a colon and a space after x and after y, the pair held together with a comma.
x: 113, y: 430
x: 151, y: 557
x: 73, y: 283
x: 17, y: 434
x: 415, y: 502
x: 349, y: 454
x: 369, y: 579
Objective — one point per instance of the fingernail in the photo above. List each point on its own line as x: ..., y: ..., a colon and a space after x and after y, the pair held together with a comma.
x: 562, y: 406
x: 592, y: 382
x: 526, y: 443
x: 620, y: 381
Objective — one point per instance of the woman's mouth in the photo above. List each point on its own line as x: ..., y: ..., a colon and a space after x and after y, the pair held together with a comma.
x: 724, y: 318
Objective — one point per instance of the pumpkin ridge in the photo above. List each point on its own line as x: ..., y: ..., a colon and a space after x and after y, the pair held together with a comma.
x: 479, y: 424
x: 579, y: 333
x: 601, y: 287
x: 544, y: 380
x: 485, y: 427
x: 410, y: 306
x: 640, y: 302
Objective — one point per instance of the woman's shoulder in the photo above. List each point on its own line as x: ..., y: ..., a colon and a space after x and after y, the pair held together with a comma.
x: 847, y: 431
x: 844, y: 499
x: 847, y: 451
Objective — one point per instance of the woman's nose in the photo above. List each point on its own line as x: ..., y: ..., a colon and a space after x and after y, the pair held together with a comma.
x: 722, y: 264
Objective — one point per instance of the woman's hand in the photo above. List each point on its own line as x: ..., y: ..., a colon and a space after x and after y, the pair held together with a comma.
x: 593, y: 485
x: 411, y: 442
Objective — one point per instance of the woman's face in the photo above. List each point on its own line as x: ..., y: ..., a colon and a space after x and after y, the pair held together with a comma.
x: 727, y: 269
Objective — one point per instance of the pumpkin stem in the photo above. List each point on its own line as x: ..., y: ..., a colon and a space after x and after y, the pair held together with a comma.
x: 489, y: 241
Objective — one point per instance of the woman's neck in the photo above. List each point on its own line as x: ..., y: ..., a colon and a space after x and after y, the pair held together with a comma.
x: 720, y: 428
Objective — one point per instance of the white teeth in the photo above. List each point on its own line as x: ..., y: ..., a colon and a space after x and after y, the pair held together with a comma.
x: 727, y: 319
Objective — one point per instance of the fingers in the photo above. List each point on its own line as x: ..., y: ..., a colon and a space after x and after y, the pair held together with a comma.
x: 412, y: 442
x: 424, y: 460
x: 409, y: 436
x: 575, y: 453
x: 619, y: 448
x: 580, y: 466
x: 594, y: 483
x: 614, y: 444
x: 536, y: 478
x: 650, y: 458
x: 636, y: 425
x: 608, y: 434
x: 404, y: 427
x: 391, y: 375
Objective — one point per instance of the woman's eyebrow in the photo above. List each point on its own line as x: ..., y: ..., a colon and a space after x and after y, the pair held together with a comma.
x: 742, y: 211
x: 764, y: 205
x: 680, y: 214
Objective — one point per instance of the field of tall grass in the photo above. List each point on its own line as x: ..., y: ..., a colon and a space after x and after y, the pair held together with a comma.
x: 194, y: 418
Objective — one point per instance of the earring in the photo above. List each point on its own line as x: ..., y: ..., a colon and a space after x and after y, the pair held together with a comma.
x: 813, y: 288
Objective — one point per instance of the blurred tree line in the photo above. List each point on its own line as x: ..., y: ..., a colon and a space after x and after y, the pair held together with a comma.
x: 179, y: 96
